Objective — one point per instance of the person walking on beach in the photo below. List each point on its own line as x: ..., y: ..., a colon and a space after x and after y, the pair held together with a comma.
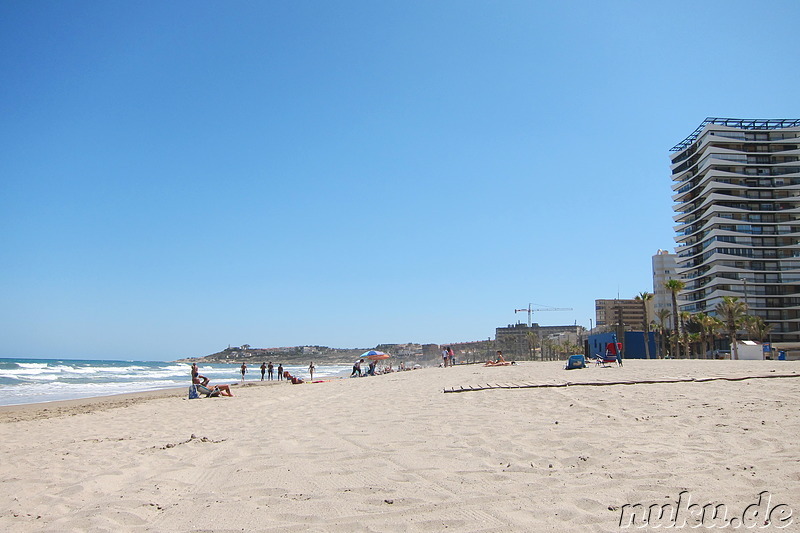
x: 444, y: 357
x: 311, y: 369
x: 451, y: 355
x: 280, y: 371
x: 244, y: 370
x: 270, y: 371
x: 263, y: 370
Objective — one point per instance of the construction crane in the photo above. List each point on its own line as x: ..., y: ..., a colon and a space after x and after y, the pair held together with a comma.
x: 530, y: 310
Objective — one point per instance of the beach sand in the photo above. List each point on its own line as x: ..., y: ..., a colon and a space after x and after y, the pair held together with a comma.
x: 395, y: 453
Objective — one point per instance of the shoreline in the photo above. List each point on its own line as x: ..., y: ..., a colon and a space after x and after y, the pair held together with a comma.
x: 38, y: 410
x: 47, y: 409
x: 47, y: 381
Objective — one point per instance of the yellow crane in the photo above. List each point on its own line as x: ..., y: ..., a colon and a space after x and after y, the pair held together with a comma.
x: 530, y: 310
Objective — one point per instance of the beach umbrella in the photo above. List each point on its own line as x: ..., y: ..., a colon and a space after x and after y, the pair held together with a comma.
x: 374, y: 355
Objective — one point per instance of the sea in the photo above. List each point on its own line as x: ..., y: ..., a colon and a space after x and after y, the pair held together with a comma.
x: 24, y: 381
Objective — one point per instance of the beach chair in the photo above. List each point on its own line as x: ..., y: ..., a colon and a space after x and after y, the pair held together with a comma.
x: 604, y: 360
x: 575, y: 361
x: 210, y: 393
x: 612, y: 355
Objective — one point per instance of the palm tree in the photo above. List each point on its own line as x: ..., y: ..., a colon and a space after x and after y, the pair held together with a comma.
x: 756, y: 328
x: 685, y: 317
x: 532, y: 338
x: 662, y: 316
x: 645, y: 297
x: 708, y: 326
x: 731, y: 311
x: 674, y: 286
x: 694, y: 340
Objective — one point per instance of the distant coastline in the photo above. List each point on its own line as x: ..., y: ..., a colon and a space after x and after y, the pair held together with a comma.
x: 293, y: 354
x: 410, y: 352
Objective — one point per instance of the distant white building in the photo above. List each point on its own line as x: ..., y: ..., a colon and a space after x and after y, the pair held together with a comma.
x: 665, y: 268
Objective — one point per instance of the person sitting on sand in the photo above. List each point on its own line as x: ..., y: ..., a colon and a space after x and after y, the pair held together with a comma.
x: 501, y: 361
x: 224, y: 390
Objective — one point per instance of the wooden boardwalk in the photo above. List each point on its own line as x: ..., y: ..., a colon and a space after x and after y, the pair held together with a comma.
x: 529, y: 385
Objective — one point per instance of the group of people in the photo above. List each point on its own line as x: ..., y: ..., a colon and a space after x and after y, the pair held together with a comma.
x: 370, y: 368
x: 448, y: 356
x: 268, y: 369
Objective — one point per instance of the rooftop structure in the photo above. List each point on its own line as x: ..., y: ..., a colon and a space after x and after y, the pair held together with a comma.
x: 741, y: 123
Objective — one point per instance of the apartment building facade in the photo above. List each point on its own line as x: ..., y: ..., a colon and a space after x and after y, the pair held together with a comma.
x: 629, y: 313
x: 665, y: 268
x: 737, y: 199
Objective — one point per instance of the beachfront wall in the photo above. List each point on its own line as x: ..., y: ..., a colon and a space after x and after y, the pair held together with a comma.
x: 632, y: 344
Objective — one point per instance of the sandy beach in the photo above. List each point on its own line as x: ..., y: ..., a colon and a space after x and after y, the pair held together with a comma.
x: 396, y: 453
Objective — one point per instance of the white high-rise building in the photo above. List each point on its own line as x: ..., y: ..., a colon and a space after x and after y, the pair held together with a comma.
x: 664, y: 269
x: 737, y: 198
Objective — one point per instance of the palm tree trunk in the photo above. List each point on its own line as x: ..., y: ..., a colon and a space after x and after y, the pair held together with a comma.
x: 675, y: 323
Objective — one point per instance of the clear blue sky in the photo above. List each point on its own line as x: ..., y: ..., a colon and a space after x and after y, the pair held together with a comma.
x: 179, y: 176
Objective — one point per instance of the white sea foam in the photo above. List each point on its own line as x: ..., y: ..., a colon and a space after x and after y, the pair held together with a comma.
x: 26, y: 381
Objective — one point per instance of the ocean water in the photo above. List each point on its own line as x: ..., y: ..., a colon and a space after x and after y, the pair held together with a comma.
x: 45, y: 380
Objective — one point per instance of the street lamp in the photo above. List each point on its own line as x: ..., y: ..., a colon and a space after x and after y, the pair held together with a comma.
x: 744, y: 281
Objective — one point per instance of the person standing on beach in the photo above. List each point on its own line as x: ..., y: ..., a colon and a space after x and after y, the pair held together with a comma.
x: 311, y: 369
x: 270, y: 371
x: 444, y: 357
x: 280, y: 371
x: 451, y: 355
x: 244, y: 370
x: 195, y: 371
x: 263, y: 370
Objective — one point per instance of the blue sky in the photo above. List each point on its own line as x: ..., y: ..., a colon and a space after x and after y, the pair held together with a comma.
x: 180, y: 176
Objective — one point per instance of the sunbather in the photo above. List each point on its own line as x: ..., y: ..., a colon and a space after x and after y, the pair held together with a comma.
x: 500, y: 361
x: 224, y: 390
